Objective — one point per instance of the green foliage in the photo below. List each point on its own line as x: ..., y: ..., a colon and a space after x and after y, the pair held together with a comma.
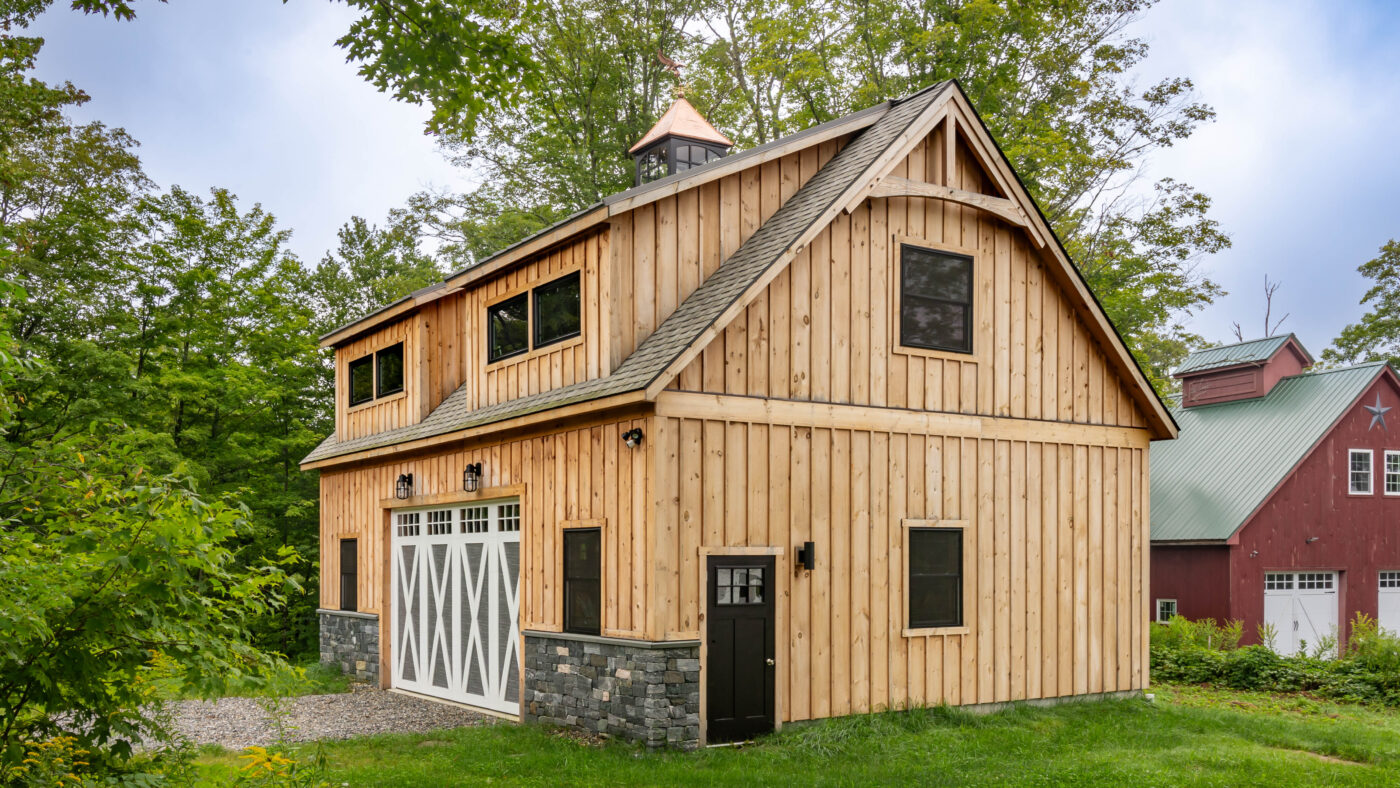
x: 1376, y: 337
x: 372, y: 268
x: 280, y: 767
x: 104, y: 566
x: 1200, y: 652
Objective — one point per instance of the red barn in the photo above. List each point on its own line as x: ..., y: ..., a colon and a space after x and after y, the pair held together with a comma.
x: 1279, y: 505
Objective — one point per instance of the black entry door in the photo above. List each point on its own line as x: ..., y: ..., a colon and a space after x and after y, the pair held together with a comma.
x: 739, y: 669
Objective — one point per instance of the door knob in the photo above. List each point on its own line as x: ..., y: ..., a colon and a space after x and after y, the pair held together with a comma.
x: 770, y: 662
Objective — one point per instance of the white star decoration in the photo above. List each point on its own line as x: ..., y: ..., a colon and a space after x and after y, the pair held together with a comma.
x: 1377, y: 414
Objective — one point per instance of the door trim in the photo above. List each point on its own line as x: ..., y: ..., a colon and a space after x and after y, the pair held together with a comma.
x: 781, y: 587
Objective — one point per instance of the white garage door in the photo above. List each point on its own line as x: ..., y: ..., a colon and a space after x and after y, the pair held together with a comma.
x: 1388, y: 607
x: 1302, y: 609
x: 456, y: 581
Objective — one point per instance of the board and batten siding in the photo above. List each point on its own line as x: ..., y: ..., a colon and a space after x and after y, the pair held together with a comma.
x: 451, y: 332
x: 559, y: 476
x: 1058, y: 561
x: 378, y: 415
x: 826, y: 328
x: 664, y: 249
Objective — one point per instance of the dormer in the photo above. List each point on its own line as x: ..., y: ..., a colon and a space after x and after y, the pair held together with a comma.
x: 682, y: 139
x: 1246, y: 370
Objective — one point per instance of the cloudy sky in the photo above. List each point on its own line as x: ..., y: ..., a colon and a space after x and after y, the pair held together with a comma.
x: 251, y: 95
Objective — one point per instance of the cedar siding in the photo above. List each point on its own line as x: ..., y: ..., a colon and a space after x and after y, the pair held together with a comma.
x: 787, y: 412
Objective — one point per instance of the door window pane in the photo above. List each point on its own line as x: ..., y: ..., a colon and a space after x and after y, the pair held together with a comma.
x: 558, y: 310
x: 508, y: 328
x: 935, y: 300
x: 740, y: 585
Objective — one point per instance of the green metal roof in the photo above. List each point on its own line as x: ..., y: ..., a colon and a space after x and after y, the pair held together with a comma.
x: 1255, y: 351
x: 1230, y: 456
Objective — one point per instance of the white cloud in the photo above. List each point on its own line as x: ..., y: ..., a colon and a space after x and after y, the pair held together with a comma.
x: 1299, y: 162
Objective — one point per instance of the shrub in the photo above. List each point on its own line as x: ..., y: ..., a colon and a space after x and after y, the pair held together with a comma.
x: 1203, y: 652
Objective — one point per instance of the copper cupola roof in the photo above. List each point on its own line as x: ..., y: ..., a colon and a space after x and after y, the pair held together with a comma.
x: 682, y: 120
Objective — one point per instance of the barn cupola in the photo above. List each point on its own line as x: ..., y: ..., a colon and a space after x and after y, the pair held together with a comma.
x: 682, y: 139
x: 1246, y: 370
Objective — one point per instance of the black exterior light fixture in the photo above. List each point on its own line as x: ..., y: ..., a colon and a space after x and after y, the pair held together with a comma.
x: 632, y: 437
x: 807, y: 556
x: 471, y: 477
x: 403, y: 488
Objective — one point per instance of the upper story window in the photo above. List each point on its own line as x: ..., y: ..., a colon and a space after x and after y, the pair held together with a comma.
x: 935, y: 304
x: 688, y: 156
x: 388, y: 365
x: 377, y: 374
x: 558, y: 310
x: 1392, y: 473
x: 549, y: 313
x: 508, y: 327
x: 935, y: 577
x: 1359, y: 472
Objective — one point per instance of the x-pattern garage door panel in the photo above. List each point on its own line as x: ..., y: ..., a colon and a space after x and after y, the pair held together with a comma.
x: 457, y: 602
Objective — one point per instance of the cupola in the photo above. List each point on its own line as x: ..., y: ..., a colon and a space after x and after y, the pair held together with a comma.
x: 682, y: 139
x: 1247, y: 370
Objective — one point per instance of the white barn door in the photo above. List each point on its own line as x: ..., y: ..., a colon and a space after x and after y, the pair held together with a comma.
x: 1302, y: 609
x: 1388, y: 603
x: 455, y: 576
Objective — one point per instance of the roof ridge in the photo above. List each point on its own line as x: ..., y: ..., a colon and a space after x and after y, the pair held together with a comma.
x: 1242, y: 344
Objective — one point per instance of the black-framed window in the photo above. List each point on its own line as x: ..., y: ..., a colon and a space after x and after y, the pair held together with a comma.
x: 362, y: 379
x: 349, y: 569
x: 583, y: 573
x: 558, y: 310
x: 389, y: 366
x: 935, y: 300
x: 508, y: 327
x: 935, y: 577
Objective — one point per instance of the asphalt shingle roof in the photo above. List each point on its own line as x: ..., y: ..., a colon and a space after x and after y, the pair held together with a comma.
x: 1229, y: 457
x: 1255, y: 351
x: 698, y: 312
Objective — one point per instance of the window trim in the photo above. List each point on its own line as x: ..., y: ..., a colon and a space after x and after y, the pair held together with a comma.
x: 970, y: 329
x: 910, y: 524
x: 535, y: 343
x: 367, y: 360
x: 599, y: 525
x: 490, y: 332
x: 1385, y: 472
x: 981, y: 288
x: 356, y: 574
x: 1158, y: 617
x: 1370, y: 472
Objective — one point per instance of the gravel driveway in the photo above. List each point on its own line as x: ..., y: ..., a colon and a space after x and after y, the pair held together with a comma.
x: 235, y: 723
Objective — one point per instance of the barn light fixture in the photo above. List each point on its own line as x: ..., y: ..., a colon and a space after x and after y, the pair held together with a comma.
x: 807, y: 556
x: 404, y: 487
x: 471, y: 477
x: 1312, y: 539
x: 632, y: 437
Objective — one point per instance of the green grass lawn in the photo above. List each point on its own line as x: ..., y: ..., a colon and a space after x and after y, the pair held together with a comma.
x: 1189, y: 736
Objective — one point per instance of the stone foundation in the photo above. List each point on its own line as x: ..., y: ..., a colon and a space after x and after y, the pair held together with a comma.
x: 642, y: 691
x: 351, y: 641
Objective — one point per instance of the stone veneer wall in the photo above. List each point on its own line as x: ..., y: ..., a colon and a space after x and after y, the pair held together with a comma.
x: 351, y: 641
x: 642, y: 691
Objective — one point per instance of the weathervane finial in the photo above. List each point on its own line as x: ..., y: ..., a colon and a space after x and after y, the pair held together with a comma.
x: 671, y: 65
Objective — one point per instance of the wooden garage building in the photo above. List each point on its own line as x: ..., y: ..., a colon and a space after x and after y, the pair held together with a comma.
x: 1278, y: 505
x: 826, y: 426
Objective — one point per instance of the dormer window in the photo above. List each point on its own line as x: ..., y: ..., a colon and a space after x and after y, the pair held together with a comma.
x: 508, y: 327
x: 377, y: 374
x: 544, y: 315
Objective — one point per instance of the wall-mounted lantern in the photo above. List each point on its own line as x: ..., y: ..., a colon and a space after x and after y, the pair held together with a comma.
x: 471, y: 477
x: 807, y: 556
x: 404, y: 487
x: 632, y: 437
